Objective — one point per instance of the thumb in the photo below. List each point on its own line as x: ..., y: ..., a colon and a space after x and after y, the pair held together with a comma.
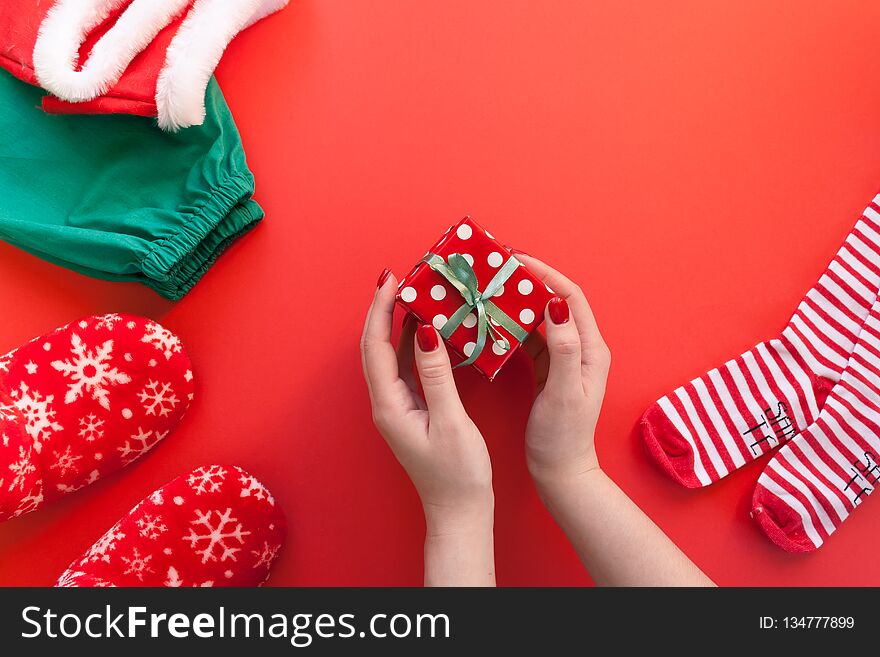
x: 564, y: 344
x: 435, y: 373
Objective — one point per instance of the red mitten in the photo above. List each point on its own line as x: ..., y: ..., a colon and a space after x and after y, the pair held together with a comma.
x: 84, y: 401
x: 20, y: 482
x: 216, y: 526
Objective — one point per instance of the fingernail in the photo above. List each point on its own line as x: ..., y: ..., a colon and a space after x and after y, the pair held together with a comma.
x: 383, y: 277
x: 427, y: 338
x: 558, y: 309
x: 517, y: 251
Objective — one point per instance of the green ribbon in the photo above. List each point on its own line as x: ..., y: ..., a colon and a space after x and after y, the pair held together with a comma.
x: 460, y: 274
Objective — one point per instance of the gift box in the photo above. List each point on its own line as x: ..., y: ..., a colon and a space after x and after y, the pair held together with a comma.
x: 474, y: 291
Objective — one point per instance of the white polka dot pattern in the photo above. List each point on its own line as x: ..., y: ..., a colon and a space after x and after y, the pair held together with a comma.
x: 431, y: 298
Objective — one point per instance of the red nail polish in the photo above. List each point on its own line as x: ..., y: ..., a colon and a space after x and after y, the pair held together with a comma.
x: 383, y: 277
x: 517, y: 251
x: 558, y: 309
x: 427, y: 337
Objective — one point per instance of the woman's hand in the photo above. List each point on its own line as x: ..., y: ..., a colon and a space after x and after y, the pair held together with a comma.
x: 617, y: 543
x: 434, y: 440
x: 571, y: 368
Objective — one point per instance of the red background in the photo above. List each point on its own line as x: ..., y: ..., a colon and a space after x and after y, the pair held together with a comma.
x: 693, y: 165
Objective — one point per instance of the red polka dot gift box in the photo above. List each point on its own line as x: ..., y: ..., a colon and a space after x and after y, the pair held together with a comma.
x: 474, y: 291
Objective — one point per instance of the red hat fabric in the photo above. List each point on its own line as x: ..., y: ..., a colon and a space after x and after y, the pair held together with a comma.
x: 19, y: 24
x: 142, y: 57
x: 83, y: 401
x: 215, y: 526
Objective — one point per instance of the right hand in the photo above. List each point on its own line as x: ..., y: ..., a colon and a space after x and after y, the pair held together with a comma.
x: 571, y: 368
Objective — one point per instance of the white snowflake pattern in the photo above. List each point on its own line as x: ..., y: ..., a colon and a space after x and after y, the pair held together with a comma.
x: 94, y: 475
x: 139, y: 444
x: 157, y: 498
x: 70, y: 579
x: 21, y: 469
x: 90, y: 427
x: 218, y: 534
x: 5, y: 360
x: 250, y: 487
x: 151, y: 527
x: 138, y: 565
x: 158, y: 398
x: 174, y: 581
x: 32, y: 501
x: 7, y: 412
x: 266, y: 555
x: 39, y: 415
x: 101, y: 550
x: 206, y: 479
x: 108, y: 321
x: 65, y: 461
x: 90, y: 371
x: 162, y: 339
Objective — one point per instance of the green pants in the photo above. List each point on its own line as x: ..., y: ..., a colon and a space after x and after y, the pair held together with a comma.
x: 116, y: 198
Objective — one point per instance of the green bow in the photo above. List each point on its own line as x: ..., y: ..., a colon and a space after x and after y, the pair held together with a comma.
x: 459, y: 272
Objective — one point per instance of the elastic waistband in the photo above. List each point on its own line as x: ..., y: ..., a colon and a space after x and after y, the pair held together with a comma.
x: 176, y: 263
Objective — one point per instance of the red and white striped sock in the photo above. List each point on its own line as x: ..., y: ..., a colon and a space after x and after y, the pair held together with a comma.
x: 733, y: 414
x: 816, y: 480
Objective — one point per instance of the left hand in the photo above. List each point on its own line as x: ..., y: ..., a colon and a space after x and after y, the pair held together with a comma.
x: 433, y: 438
